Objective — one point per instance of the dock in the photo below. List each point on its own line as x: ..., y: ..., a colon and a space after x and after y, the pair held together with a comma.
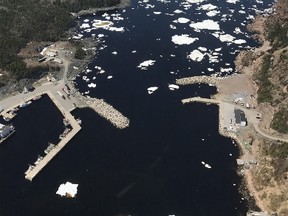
x: 31, y: 173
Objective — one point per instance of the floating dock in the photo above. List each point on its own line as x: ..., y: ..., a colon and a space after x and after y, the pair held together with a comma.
x: 31, y: 173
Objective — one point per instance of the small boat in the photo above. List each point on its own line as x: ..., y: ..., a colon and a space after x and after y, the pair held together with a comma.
x: 25, y: 104
x: 36, y: 97
x: 31, y: 167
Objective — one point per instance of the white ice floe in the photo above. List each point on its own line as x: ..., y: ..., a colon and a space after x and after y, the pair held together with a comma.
x: 212, y: 13
x: 101, y: 35
x: 218, y: 49
x: 237, y: 30
x: 203, y: 49
x: 68, y: 189
x: 134, y: 51
x: 109, y: 77
x: 183, y: 39
x: 172, y: 26
x: 92, y: 85
x: 182, y: 20
x: 178, y: 11
x: 232, y: 1
x: 195, y: 1
x: 173, y: 87
x: 239, y: 41
x: 86, y: 20
x: 85, y: 25
x: 206, y: 24
x: 116, y: 29
x: 114, y: 53
x: 152, y: 89
x: 78, y: 36
x: 227, y: 70
x: 226, y: 38
x: 157, y: 12
x: 196, y: 55
x: 206, y: 165
x: 207, y: 7
x: 145, y: 64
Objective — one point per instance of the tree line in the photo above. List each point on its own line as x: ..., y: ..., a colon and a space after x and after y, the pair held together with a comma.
x: 23, y: 21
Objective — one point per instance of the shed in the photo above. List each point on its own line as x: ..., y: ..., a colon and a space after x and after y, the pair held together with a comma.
x: 240, y: 118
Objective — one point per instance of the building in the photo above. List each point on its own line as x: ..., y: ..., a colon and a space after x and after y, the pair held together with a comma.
x: 240, y: 118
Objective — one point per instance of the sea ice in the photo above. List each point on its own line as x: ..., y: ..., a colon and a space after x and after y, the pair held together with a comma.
x: 152, y: 89
x: 178, y: 11
x: 226, y: 38
x: 212, y: 13
x: 206, y: 24
x: 232, y: 1
x: 173, y: 87
x: 109, y: 77
x: 239, y: 41
x: 196, y: 55
x: 85, y: 25
x: 183, y: 20
x: 116, y: 29
x: 92, y: 85
x: 68, y: 189
x: 114, y: 53
x: 207, y: 7
x: 145, y: 64
x: 203, y: 49
x: 183, y: 39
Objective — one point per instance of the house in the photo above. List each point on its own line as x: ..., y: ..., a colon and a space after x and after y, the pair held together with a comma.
x: 240, y: 118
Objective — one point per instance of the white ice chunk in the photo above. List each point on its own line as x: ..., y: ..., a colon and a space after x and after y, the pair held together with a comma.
x: 145, y: 64
x: 183, y: 20
x: 239, y: 41
x: 183, y: 39
x: 152, y: 89
x: 196, y: 55
x: 206, y: 24
x: 173, y: 87
x: 68, y: 189
x: 92, y: 85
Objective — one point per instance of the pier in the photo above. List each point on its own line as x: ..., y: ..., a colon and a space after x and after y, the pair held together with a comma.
x: 31, y: 173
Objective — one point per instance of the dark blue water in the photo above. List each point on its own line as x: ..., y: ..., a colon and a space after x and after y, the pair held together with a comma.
x: 154, y: 167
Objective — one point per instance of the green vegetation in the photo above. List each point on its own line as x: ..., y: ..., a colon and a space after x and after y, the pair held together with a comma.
x: 79, y: 53
x: 280, y: 120
x: 276, y: 32
x: 265, y: 86
x: 23, y: 21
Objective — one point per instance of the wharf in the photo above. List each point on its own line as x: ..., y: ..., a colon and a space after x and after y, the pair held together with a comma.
x: 75, y: 129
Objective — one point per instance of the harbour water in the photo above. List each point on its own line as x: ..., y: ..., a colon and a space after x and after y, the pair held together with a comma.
x: 154, y: 167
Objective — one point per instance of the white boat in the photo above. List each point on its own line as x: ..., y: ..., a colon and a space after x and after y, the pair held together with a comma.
x: 25, y: 104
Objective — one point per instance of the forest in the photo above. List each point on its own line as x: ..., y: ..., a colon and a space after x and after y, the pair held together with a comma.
x: 23, y: 21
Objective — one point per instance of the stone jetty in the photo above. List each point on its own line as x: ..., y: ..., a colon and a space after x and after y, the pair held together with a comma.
x: 108, y: 112
x: 101, y: 107
x: 210, y: 80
